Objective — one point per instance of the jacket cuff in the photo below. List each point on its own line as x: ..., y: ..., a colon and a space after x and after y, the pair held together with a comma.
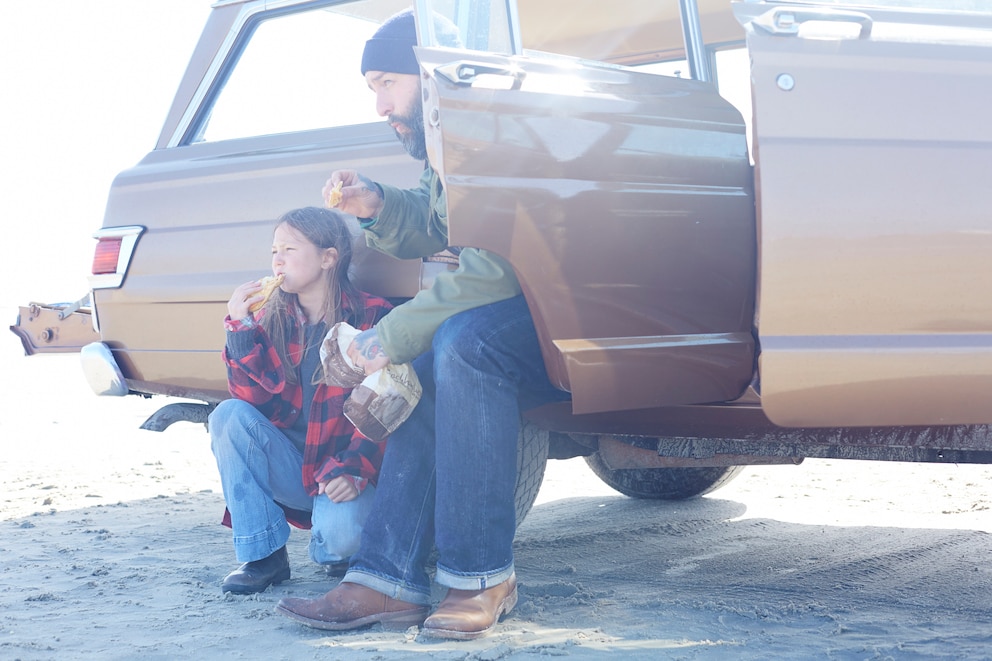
x: 366, y: 223
x: 247, y: 323
x: 240, y: 343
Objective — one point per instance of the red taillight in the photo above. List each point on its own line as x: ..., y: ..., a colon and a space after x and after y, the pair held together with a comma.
x: 105, y: 256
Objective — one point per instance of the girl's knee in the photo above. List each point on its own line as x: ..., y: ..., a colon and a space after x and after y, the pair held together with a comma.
x: 335, y: 547
x: 334, y: 544
x: 337, y: 527
x: 227, y: 416
x: 228, y: 410
x: 221, y: 413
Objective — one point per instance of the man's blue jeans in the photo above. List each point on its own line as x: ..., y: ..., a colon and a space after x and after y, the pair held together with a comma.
x: 259, y: 468
x: 449, y: 471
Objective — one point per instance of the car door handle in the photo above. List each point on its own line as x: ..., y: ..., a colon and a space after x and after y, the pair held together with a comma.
x: 787, y: 20
x: 466, y: 73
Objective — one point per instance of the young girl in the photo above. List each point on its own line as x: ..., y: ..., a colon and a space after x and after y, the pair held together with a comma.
x: 285, y: 451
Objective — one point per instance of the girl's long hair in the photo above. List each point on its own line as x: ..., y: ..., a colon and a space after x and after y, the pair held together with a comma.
x: 325, y: 228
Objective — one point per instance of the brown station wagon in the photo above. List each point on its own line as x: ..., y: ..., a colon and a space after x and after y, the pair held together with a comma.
x: 749, y: 232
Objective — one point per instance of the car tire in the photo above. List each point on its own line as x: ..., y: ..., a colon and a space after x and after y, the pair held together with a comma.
x: 532, y: 459
x: 663, y: 483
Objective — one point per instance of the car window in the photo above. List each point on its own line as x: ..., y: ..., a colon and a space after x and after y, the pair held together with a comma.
x: 732, y: 75
x: 295, y: 72
x: 481, y: 26
x: 733, y: 78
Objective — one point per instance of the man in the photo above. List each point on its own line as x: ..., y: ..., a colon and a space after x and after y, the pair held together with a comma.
x: 448, y: 475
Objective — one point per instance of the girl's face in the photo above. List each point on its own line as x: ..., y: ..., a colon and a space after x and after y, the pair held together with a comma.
x: 303, y: 264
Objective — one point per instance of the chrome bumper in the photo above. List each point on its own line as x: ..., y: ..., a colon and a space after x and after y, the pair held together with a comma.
x: 101, y: 370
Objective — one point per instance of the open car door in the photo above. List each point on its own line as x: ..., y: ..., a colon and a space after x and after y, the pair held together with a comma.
x: 622, y: 199
x: 873, y: 150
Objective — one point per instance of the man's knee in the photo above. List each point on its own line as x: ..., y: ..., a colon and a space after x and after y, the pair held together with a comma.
x: 460, y: 338
x: 487, y: 339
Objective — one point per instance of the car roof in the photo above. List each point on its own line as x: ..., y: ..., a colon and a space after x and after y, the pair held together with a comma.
x: 619, y: 31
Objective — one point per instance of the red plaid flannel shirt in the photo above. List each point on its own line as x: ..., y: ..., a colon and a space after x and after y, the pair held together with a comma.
x: 333, y: 446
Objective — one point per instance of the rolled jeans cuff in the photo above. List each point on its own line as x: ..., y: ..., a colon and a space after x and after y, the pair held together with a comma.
x: 387, y: 587
x: 248, y: 548
x: 473, y: 582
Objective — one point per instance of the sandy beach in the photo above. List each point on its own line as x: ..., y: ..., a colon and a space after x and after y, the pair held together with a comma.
x: 112, y: 549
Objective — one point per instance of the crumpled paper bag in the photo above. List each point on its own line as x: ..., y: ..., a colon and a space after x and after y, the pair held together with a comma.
x: 379, y: 402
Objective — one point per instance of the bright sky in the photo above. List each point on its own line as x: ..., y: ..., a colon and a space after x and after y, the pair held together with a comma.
x: 85, y: 90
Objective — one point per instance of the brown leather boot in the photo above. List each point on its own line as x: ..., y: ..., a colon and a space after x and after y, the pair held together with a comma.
x: 468, y: 614
x: 352, y: 606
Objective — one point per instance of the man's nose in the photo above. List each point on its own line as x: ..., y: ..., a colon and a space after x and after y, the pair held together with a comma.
x: 383, y: 105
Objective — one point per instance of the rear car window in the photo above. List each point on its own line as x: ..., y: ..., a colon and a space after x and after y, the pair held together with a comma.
x: 293, y: 72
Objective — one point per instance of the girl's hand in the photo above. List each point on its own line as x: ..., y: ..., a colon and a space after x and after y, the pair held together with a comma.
x: 367, y: 353
x: 242, y: 298
x: 340, y: 490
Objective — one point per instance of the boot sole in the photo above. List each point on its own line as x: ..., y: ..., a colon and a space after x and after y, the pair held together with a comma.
x: 505, y: 607
x: 396, y: 621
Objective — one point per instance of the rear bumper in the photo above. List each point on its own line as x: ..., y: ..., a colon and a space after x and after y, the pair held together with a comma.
x: 101, y: 370
x: 55, y: 328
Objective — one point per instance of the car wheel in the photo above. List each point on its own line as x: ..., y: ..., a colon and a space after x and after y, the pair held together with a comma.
x: 663, y: 483
x: 532, y: 458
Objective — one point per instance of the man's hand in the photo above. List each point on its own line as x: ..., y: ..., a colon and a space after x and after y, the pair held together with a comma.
x: 340, y: 490
x: 366, y: 352
x: 359, y: 195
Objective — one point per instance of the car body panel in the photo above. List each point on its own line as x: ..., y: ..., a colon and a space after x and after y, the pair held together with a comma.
x: 624, y: 202
x: 875, y: 238
x: 831, y: 296
x: 222, y: 198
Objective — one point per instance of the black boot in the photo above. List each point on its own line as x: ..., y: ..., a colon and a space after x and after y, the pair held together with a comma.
x: 257, y: 575
x: 336, y: 569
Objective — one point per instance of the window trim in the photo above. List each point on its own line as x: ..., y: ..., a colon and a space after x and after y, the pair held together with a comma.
x: 242, y: 28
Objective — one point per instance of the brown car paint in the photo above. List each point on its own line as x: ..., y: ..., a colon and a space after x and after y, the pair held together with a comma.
x: 655, y: 258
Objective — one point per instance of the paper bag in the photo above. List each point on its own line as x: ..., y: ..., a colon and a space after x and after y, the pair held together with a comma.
x: 379, y: 402
x: 338, y: 368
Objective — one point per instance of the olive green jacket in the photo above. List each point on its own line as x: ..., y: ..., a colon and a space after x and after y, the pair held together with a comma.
x: 414, y: 224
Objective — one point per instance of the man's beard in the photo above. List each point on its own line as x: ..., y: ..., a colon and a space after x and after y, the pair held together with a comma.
x: 415, y: 141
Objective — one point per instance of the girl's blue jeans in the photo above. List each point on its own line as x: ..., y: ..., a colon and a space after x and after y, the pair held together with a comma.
x: 260, y: 468
x: 449, y: 471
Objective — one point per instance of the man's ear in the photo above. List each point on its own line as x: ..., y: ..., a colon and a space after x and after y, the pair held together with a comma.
x: 329, y: 258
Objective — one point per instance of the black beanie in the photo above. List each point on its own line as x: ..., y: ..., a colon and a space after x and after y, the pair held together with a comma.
x: 391, y: 47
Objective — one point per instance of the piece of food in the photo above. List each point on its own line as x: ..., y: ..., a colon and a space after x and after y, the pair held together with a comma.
x: 334, y: 198
x: 269, y: 285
